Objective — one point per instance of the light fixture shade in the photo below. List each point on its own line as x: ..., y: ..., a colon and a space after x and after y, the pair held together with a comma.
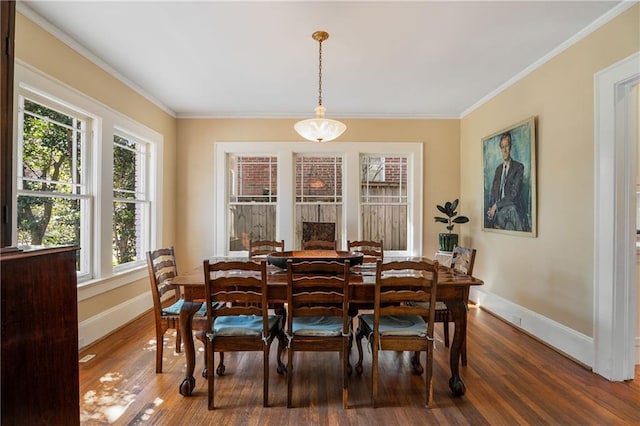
x: 320, y: 129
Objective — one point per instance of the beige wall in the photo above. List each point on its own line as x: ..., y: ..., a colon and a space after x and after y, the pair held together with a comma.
x: 196, y: 174
x: 41, y: 50
x: 553, y: 273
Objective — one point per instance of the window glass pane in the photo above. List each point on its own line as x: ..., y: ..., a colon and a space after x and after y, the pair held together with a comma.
x: 48, y: 221
x: 319, y: 190
x: 125, y: 164
x: 129, y: 206
x: 50, y: 154
x: 253, y: 194
x: 128, y: 232
x: 383, y: 199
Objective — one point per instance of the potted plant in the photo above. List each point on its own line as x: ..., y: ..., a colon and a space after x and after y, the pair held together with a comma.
x: 449, y: 240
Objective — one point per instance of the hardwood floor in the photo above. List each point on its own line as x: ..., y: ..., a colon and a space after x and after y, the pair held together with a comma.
x: 511, y: 379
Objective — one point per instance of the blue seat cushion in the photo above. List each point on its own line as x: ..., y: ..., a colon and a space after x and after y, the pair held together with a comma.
x: 175, y: 309
x: 241, y: 325
x: 317, y: 326
x: 440, y: 306
x: 398, y: 325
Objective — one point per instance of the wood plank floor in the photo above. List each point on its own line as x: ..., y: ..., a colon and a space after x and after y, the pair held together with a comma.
x: 511, y: 379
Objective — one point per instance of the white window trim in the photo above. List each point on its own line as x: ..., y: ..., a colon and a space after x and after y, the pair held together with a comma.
x: 350, y: 152
x: 106, y: 121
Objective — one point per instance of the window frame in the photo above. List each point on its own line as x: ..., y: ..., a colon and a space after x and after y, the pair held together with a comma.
x: 141, y: 196
x: 285, y: 152
x: 105, y: 122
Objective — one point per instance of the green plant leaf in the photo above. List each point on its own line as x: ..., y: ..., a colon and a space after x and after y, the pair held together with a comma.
x: 461, y: 219
x: 441, y: 219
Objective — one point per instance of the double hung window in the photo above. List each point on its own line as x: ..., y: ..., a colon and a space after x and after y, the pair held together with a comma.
x: 384, y: 200
x: 366, y: 191
x: 252, y: 199
x: 130, y: 200
x: 53, y: 203
x: 86, y: 176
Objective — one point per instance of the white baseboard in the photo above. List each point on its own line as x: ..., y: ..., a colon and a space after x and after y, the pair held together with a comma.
x: 113, y: 318
x: 566, y: 340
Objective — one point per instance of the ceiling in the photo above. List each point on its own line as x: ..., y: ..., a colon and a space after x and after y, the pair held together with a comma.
x: 416, y: 59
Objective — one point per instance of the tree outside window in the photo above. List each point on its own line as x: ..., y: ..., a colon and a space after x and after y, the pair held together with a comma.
x: 51, y: 193
x: 130, y: 201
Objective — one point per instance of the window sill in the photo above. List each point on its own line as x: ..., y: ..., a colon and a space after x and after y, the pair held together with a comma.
x: 89, y: 289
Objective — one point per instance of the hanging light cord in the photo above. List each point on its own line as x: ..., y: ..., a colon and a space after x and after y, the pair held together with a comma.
x: 320, y: 72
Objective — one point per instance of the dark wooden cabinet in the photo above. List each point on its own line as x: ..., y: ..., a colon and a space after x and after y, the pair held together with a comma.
x: 40, y: 384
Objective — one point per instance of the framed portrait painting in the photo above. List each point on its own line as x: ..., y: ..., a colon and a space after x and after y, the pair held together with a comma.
x: 509, y: 180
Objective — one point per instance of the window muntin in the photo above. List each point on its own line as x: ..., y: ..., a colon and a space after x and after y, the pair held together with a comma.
x: 53, y: 205
x: 384, y: 200
x: 252, y: 199
x: 130, y: 200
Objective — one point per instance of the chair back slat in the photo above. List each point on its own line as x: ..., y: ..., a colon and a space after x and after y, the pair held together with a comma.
x: 161, y: 265
x: 319, y: 284
x: 401, y: 283
x: 262, y: 248
x: 240, y: 285
x: 372, y: 250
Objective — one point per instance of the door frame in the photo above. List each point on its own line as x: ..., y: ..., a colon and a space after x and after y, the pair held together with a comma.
x: 615, y: 279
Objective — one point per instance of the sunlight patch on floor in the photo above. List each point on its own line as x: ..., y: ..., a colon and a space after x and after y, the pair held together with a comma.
x: 106, y: 404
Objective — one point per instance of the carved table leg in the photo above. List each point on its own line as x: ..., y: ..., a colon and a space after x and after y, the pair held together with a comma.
x: 186, y: 316
x: 459, y: 310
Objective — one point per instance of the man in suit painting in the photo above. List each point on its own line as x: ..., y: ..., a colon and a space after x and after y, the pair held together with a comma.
x: 508, y: 206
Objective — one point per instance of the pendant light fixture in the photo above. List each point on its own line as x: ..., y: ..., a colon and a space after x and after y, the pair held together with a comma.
x: 320, y: 129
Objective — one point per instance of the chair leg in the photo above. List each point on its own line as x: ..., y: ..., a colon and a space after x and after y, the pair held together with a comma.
x: 221, y: 368
x: 359, y: 336
x: 210, y: 376
x: 203, y: 338
x: 178, y: 340
x: 374, y: 371
x: 445, y: 325
x: 346, y: 369
x: 265, y: 376
x: 159, y: 348
x: 428, y: 377
x: 415, y: 363
x: 282, y: 369
x: 289, y: 376
x: 463, y: 352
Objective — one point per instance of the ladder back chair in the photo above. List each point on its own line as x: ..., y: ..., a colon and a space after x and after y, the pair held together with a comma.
x: 259, y: 249
x: 162, y: 267
x: 405, y: 295
x: 372, y: 250
x: 242, y: 323
x: 318, y: 320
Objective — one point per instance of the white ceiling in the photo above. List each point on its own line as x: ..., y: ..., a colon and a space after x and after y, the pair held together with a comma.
x: 257, y: 59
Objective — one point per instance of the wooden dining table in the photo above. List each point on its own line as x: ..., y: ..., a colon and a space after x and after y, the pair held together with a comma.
x: 453, y: 288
